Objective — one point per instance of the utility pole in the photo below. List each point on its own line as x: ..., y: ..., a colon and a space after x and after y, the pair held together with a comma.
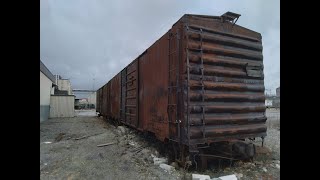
x: 93, y: 84
x: 93, y: 75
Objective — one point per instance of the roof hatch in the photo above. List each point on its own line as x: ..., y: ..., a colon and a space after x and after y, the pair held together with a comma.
x: 230, y: 16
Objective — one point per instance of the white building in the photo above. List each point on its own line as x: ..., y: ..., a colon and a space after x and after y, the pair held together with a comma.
x: 62, y: 106
x: 47, y: 81
x: 55, y: 101
x: 62, y: 102
x: 63, y: 84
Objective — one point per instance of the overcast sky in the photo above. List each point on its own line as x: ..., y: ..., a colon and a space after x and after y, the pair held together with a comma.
x: 84, y: 40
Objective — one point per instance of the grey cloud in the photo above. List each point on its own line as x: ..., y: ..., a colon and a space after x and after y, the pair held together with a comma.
x: 82, y: 40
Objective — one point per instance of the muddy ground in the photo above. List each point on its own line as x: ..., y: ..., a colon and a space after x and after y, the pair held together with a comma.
x: 63, y: 156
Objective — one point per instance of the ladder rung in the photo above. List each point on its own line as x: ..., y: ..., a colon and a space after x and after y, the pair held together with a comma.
x: 172, y: 52
x: 197, y: 49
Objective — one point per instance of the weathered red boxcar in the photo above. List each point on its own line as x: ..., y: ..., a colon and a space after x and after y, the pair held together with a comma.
x: 98, y: 100
x: 201, y: 82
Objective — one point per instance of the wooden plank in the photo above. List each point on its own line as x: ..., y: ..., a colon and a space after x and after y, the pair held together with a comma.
x: 107, y: 144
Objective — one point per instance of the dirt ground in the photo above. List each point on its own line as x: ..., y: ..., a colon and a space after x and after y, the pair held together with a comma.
x: 62, y: 156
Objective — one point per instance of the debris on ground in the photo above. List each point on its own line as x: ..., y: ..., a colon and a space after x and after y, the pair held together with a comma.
x: 59, y: 137
x: 228, y: 177
x: 158, y: 161
x: 200, y: 177
x: 121, y: 130
x: 166, y: 167
x: 264, y: 169
x: 86, y: 136
x: 238, y: 175
x: 47, y: 142
x: 175, y: 165
x: 107, y: 144
x: 81, y: 137
x: 132, y: 143
x: 156, y: 153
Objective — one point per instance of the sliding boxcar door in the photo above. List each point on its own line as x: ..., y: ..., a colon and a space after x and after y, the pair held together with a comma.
x: 131, y: 95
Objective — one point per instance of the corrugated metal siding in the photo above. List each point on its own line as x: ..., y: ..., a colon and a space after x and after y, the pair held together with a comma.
x: 108, y: 100
x: 131, y: 95
x: 153, y: 88
x: 62, y: 106
x: 226, y: 95
x: 115, y: 94
x: 98, y: 100
x: 105, y: 100
x: 123, y: 94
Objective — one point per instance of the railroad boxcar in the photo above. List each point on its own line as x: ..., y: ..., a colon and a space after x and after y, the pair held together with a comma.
x: 200, y: 84
x: 98, y: 97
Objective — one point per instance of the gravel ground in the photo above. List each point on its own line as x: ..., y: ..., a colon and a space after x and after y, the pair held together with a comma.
x: 63, y: 157
x: 272, y: 140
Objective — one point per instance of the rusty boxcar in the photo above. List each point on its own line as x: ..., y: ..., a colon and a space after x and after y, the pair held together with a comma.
x: 201, y: 83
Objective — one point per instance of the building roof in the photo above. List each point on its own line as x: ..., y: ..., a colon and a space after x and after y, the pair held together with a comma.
x: 46, y: 72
